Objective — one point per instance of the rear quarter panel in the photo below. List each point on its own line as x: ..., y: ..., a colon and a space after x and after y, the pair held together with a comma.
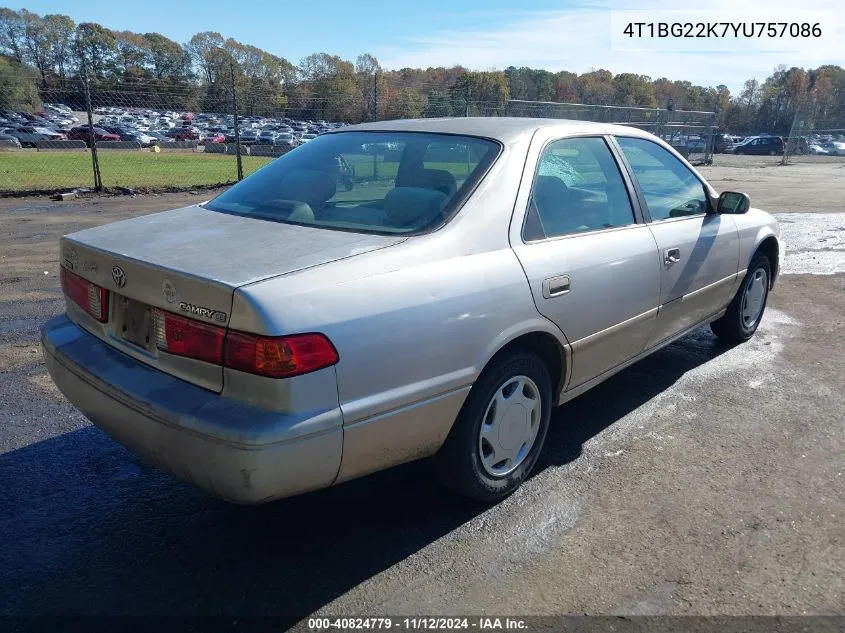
x: 411, y: 339
x: 753, y: 228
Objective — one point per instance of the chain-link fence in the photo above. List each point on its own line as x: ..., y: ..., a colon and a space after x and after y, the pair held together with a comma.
x: 158, y: 137
x: 810, y: 138
x: 691, y: 133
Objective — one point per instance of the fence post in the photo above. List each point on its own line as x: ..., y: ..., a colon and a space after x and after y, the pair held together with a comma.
x: 375, y: 95
x: 791, y: 142
x: 237, y: 123
x: 466, y: 102
x: 95, y: 163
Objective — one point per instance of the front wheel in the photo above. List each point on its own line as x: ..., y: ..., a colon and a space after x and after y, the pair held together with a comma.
x: 746, y: 309
x: 500, y: 430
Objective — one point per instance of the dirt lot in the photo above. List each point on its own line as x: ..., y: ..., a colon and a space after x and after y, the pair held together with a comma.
x: 807, y: 184
x: 702, y: 480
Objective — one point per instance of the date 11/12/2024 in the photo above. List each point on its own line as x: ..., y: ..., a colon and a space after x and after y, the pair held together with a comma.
x: 417, y: 624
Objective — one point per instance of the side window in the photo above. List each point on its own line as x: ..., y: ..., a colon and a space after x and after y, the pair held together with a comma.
x: 578, y: 187
x: 671, y: 190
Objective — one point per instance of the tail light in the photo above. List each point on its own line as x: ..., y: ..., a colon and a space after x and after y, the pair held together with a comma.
x: 185, y: 337
x: 88, y: 296
x: 278, y: 356
x: 271, y: 356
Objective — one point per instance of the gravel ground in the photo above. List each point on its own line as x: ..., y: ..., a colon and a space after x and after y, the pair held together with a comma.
x: 702, y: 480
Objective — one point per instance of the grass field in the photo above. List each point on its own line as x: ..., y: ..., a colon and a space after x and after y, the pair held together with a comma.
x: 50, y: 171
x: 44, y: 171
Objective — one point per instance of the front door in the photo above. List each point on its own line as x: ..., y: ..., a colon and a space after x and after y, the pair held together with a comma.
x: 592, y: 268
x: 698, y: 251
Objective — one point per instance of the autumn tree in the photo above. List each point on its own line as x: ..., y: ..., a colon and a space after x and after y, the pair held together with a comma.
x: 18, y: 89
x: 12, y: 35
x: 166, y: 59
x: 60, y: 32
x: 96, y: 47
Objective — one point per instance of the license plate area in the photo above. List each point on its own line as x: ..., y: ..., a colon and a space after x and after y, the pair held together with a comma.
x: 133, y: 322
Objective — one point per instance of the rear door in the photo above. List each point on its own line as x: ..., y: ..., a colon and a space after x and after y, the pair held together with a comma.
x: 591, y: 263
x: 698, y: 250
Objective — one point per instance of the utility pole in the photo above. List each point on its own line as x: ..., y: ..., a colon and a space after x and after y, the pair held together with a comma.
x: 237, y: 123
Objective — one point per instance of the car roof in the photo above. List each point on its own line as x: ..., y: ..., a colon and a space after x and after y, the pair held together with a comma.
x: 504, y: 129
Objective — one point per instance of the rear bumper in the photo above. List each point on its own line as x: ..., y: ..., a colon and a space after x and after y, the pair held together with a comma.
x: 235, y: 451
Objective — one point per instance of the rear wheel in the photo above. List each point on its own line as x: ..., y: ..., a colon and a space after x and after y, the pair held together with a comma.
x: 500, y: 430
x: 746, y: 309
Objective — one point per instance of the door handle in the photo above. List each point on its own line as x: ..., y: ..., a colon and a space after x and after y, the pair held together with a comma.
x: 556, y: 286
x: 671, y: 256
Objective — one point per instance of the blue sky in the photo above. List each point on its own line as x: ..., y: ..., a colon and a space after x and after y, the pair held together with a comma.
x: 569, y: 35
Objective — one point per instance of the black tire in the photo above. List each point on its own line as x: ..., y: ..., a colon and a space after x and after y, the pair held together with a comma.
x: 732, y: 327
x: 458, y: 464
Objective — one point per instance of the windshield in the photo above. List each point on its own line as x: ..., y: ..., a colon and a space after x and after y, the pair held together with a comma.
x: 382, y: 182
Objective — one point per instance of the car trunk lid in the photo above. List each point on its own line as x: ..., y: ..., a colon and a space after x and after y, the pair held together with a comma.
x: 189, y: 262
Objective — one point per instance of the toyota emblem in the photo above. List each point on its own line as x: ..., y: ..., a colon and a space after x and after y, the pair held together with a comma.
x: 118, y: 276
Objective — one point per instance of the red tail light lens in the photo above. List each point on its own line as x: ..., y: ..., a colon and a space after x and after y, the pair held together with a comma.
x: 186, y: 337
x: 271, y: 356
x: 90, y: 297
x: 278, y: 356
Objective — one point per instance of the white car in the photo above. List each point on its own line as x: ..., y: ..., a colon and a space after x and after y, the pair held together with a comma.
x: 835, y: 148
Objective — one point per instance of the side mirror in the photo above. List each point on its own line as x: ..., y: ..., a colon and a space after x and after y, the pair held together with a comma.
x: 733, y: 202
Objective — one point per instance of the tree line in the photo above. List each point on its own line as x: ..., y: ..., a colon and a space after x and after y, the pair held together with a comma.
x: 50, y: 57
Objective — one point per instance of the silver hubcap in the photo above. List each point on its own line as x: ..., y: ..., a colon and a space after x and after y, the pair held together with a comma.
x: 510, y: 426
x: 754, y: 296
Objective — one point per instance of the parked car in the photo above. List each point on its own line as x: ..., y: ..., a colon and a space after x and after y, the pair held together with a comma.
x: 213, y: 137
x: 143, y: 138
x: 722, y: 143
x: 814, y: 148
x: 249, y: 136
x: 8, y: 139
x: 183, y: 134
x: 124, y: 133
x: 83, y: 133
x: 28, y: 135
x: 319, y: 335
x: 834, y: 148
x: 284, y: 139
x: 761, y: 145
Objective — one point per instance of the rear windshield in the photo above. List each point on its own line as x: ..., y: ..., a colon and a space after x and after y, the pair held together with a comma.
x: 378, y: 182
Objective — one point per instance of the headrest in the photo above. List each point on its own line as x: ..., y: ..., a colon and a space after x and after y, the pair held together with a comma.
x: 438, y: 179
x: 550, y: 190
x: 413, y: 206
x: 308, y: 185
